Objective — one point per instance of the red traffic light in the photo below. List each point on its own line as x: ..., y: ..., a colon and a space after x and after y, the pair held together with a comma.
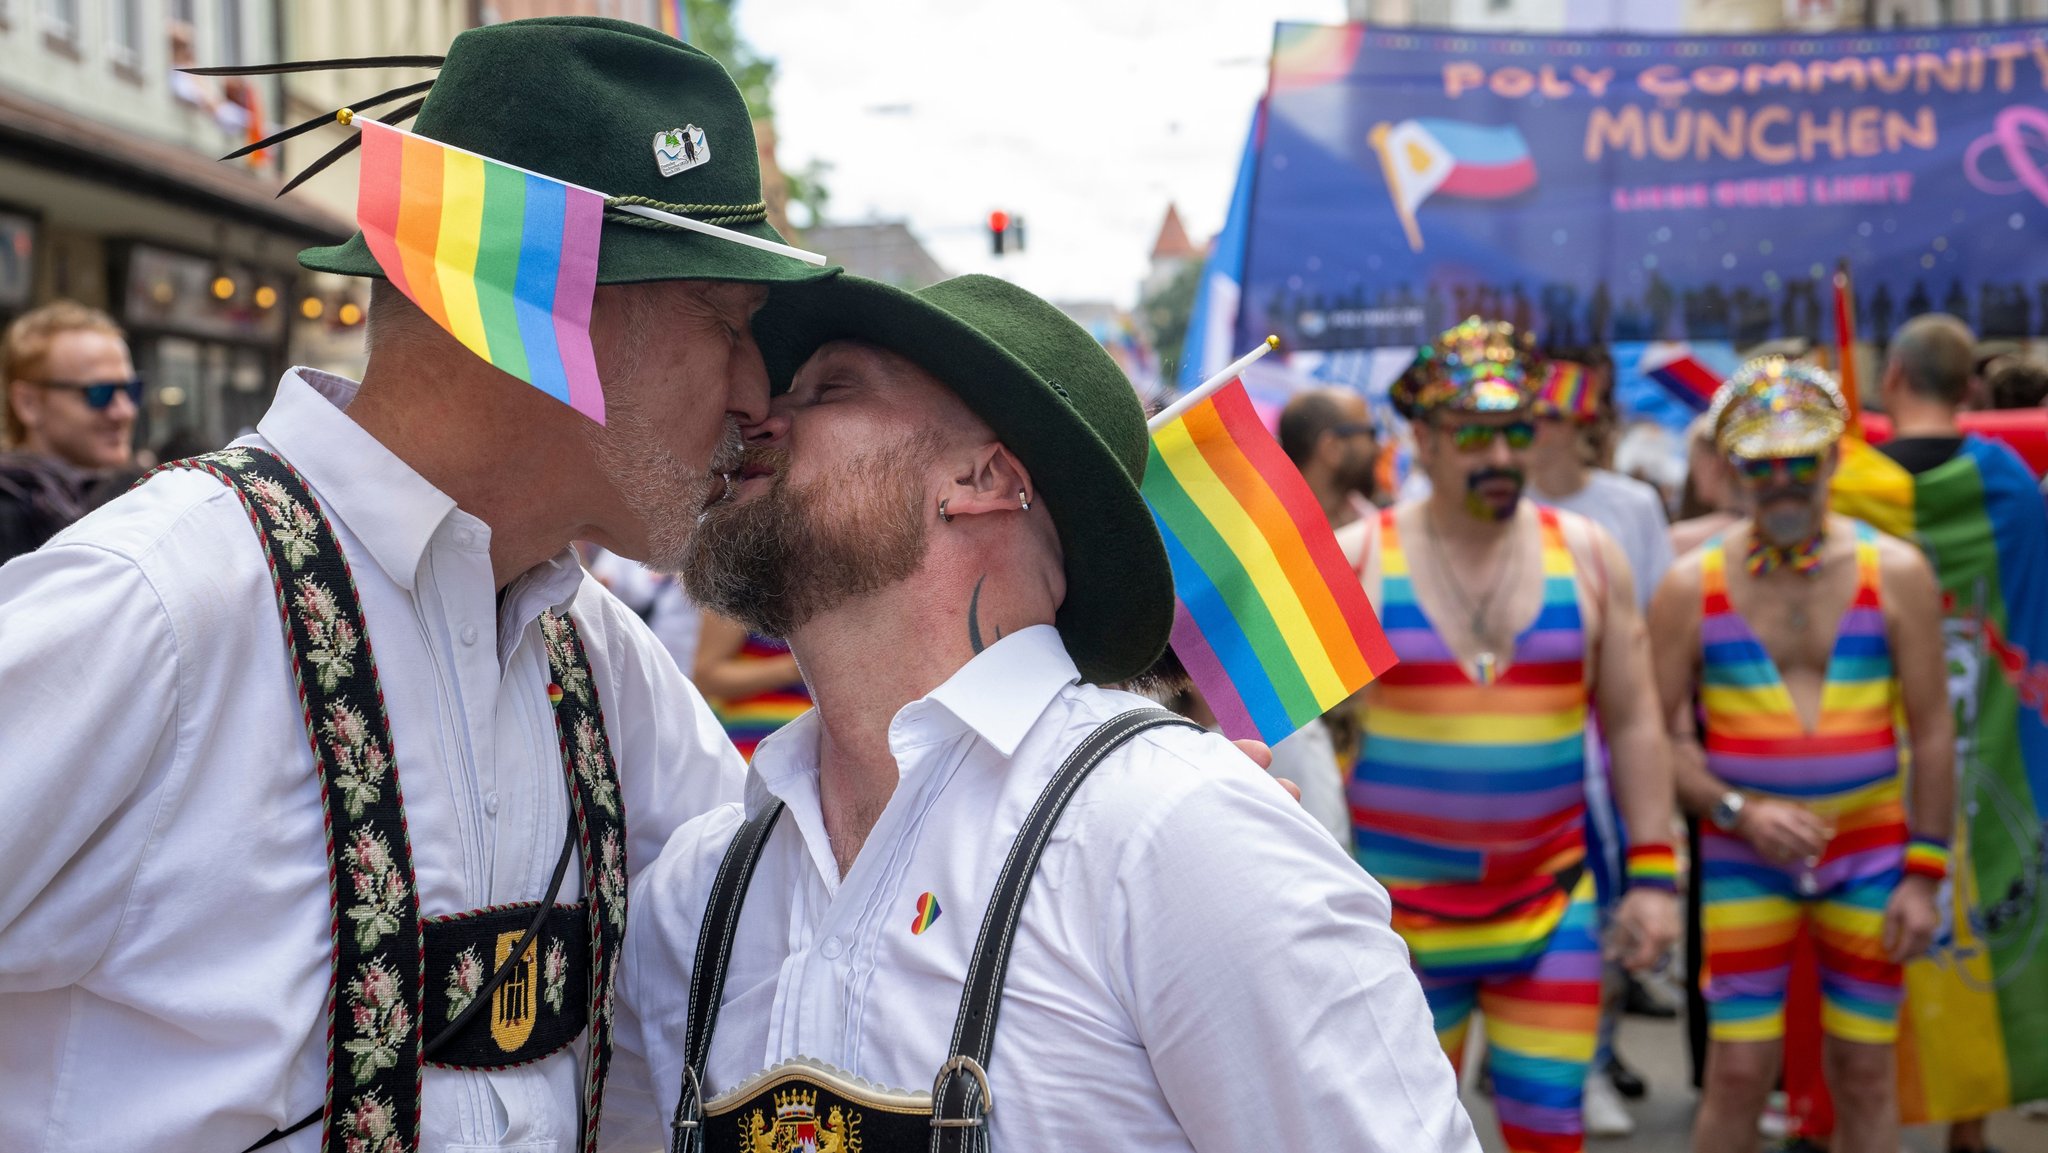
x: 998, y: 221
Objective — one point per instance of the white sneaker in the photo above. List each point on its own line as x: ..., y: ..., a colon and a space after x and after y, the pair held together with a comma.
x: 1603, y: 1112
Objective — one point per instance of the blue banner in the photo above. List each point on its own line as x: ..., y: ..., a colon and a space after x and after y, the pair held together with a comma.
x: 1647, y: 188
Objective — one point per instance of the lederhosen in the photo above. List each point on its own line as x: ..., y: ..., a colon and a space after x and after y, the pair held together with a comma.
x: 805, y: 1105
x: 487, y: 989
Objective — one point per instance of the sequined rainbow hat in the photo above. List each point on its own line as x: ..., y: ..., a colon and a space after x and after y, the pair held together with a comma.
x: 1566, y: 392
x: 1476, y: 366
x: 1772, y: 407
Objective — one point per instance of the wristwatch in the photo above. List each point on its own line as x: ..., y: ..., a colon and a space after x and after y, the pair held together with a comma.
x: 1727, y: 811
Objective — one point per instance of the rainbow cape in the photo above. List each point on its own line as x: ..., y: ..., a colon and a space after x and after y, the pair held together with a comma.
x: 1268, y: 617
x: 1976, y: 1011
x: 504, y: 259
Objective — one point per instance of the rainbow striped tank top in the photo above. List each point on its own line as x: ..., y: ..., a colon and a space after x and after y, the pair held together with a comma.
x: 748, y: 720
x: 1468, y: 801
x: 1754, y: 738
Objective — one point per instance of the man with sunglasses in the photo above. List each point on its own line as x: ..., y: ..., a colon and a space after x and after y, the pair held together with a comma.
x: 70, y: 398
x: 1803, y: 635
x: 1329, y: 435
x: 1469, y: 800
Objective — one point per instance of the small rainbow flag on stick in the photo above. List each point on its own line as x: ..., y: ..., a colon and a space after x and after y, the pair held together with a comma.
x: 1269, y: 619
x: 502, y: 258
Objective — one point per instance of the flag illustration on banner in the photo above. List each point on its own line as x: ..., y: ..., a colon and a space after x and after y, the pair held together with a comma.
x: 504, y: 259
x: 1684, y: 375
x: 1427, y: 157
x: 1268, y: 618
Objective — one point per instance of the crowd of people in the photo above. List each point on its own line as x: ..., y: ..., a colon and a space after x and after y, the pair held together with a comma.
x: 904, y: 792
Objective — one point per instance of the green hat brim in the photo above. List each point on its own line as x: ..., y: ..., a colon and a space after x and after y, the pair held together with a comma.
x: 632, y: 254
x: 1118, y: 610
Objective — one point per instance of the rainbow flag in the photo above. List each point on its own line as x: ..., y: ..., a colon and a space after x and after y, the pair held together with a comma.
x: 1977, y: 1009
x: 675, y: 18
x: 1268, y: 617
x: 504, y: 259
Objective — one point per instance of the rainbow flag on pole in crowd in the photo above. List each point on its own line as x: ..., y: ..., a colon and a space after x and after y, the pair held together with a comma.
x: 504, y: 259
x: 1977, y: 1009
x: 1269, y: 618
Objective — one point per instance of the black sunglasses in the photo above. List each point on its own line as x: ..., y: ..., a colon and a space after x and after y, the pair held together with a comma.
x: 1354, y: 428
x: 100, y: 393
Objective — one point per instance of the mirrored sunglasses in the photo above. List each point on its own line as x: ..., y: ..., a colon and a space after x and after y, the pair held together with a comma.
x: 1475, y: 437
x: 1798, y: 469
x: 100, y: 393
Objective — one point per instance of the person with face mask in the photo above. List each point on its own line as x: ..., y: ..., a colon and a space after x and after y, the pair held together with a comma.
x: 1797, y: 759
x: 1512, y: 623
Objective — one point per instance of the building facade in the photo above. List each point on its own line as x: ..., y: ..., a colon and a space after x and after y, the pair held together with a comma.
x: 111, y: 194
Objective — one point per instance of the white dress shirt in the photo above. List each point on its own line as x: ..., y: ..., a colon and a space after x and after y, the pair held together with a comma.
x: 164, y: 939
x: 1197, y: 965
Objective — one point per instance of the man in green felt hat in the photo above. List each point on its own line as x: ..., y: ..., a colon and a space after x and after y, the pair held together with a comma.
x: 258, y: 876
x: 941, y: 515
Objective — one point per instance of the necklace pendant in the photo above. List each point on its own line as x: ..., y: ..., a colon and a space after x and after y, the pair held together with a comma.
x: 1485, y: 665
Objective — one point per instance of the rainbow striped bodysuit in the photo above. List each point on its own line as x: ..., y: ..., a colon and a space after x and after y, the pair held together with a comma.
x: 1847, y: 770
x: 748, y: 720
x: 1468, y: 803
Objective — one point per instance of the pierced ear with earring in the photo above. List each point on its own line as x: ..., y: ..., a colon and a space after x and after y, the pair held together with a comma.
x: 1023, y: 500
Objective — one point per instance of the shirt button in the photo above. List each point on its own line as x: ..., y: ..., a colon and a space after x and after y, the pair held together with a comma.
x: 469, y: 634
x: 491, y: 803
x: 830, y: 948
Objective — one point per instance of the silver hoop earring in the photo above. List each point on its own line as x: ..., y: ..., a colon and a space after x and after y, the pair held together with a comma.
x: 943, y: 516
x: 1023, y: 501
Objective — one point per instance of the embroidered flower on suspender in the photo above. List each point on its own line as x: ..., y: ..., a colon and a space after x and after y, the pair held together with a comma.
x: 590, y: 756
x: 380, y: 886
x: 554, y: 975
x: 570, y: 674
x: 360, y: 762
x: 232, y: 458
x: 380, y: 1019
x: 464, y: 980
x: 295, y: 529
x: 332, y: 635
x: 611, y: 877
x: 370, y: 1126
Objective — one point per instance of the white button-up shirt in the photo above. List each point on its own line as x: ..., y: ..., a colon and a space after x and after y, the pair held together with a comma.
x: 164, y: 937
x: 1197, y: 965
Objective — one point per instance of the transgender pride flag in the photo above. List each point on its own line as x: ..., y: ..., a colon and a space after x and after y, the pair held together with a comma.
x: 1428, y: 157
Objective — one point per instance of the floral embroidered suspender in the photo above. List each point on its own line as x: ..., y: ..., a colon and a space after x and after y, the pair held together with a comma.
x: 382, y: 1005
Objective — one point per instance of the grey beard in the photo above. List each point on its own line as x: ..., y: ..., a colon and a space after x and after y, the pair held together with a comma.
x: 1784, y: 525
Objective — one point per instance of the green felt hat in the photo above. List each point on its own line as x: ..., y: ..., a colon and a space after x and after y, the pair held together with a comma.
x: 584, y: 99
x: 1056, y: 399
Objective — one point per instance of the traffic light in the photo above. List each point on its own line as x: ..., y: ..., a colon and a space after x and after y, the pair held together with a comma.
x: 1005, y: 232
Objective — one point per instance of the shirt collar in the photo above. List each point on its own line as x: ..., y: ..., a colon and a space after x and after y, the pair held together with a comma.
x: 1003, y: 691
x: 997, y: 696
x: 390, y: 508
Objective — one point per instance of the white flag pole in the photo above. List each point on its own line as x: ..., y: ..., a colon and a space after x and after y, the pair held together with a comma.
x: 1201, y: 392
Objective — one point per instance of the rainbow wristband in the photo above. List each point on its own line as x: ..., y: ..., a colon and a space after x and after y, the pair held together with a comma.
x: 1927, y: 857
x: 1652, y: 867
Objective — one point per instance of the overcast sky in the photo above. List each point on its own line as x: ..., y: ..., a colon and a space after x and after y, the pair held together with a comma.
x: 1086, y: 117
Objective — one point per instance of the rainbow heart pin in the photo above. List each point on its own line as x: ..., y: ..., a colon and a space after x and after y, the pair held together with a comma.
x: 927, y: 911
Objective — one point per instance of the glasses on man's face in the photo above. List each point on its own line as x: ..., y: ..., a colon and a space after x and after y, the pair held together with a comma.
x: 1798, y: 469
x: 100, y: 393
x: 1353, y: 428
x: 1477, y: 437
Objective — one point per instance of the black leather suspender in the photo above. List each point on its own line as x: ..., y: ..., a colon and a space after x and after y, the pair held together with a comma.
x: 961, y: 1101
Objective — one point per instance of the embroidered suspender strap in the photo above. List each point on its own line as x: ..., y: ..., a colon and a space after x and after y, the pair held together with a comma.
x: 707, y: 975
x: 600, y: 821
x: 373, y: 1060
x: 960, y: 1097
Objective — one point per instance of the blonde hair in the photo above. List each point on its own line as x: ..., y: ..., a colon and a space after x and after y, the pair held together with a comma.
x: 25, y: 350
